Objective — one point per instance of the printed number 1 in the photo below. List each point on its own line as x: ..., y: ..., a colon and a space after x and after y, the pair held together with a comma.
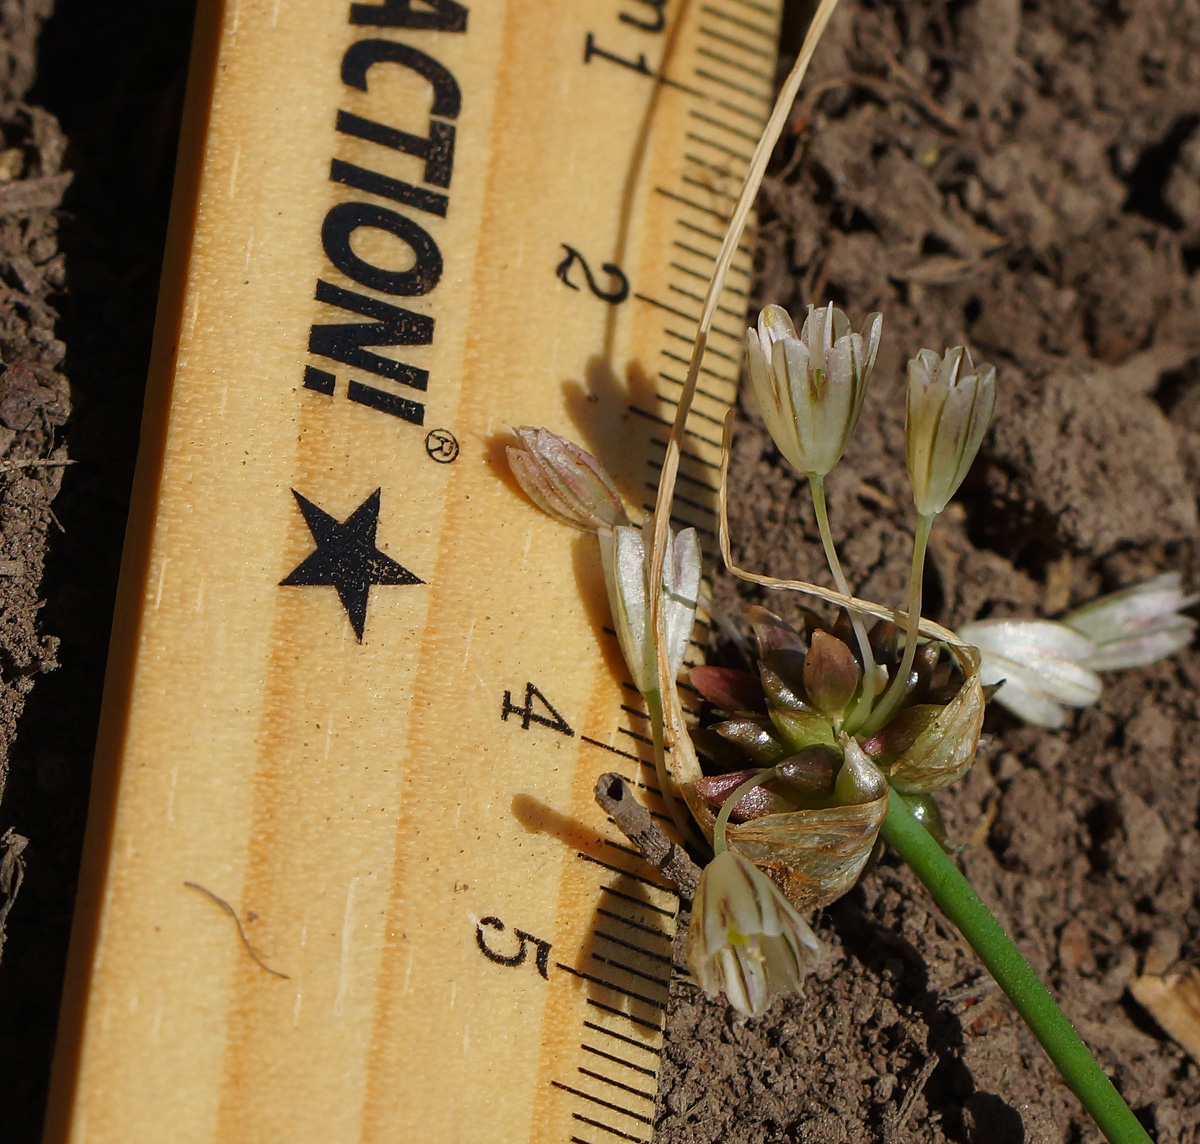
x: 551, y: 719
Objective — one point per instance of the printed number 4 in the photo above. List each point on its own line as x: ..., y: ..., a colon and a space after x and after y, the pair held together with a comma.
x: 529, y: 714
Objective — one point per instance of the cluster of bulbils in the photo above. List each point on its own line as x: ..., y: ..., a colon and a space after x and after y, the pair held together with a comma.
x: 799, y: 765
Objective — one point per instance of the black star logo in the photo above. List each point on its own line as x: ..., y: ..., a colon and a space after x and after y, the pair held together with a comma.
x: 346, y: 557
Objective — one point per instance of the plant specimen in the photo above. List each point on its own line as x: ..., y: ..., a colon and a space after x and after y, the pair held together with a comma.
x: 837, y: 740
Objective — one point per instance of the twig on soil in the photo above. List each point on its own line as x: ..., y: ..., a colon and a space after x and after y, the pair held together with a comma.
x: 13, y: 466
x: 895, y: 1124
x: 12, y: 874
x: 258, y: 958
x: 613, y: 793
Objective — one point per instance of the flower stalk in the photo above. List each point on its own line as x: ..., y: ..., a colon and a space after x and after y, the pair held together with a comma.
x: 1032, y: 1000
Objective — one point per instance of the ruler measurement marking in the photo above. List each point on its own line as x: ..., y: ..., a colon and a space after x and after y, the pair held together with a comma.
x: 665, y: 983
x: 700, y: 390
x: 634, y: 947
x: 707, y: 349
x: 733, y: 42
x: 631, y: 1041
x: 666, y: 889
x: 616, y: 1084
x: 617, y: 1060
x: 716, y: 146
x: 604, y: 1104
x: 755, y: 7
x: 704, y: 278
x: 704, y: 370
x: 639, y: 901
x: 632, y: 993
x: 708, y: 53
x: 719, y: 421
x: 697, y: 298
x: 663, y: 421
x: 748, y: 25
x: 739, y: 88
x: 722, y: 218
x: 628, y: 1017
x: 605, y: 1127
x: 632, y: 923
x: 685, y: 477
x: 691, y: 457
x: 695, y: 229
x: 708, y: 188
x: 712, y: 122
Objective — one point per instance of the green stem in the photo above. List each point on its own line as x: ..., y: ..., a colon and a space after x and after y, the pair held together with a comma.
x: 816, y: 485
x: 1032, y: 1000
x: 916, y: 583
x: 655, y: 708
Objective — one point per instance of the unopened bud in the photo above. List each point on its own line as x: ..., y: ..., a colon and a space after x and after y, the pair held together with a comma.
x: 564, y: 480
x: 811, y: 773
x: 860, y: 780
x: 757, y: 737
x: 800, y: 729
x: 830, y: 674
x: 950, y: 403
x: 757, y: 802
x: 728, y: 689
x: 896, y: 737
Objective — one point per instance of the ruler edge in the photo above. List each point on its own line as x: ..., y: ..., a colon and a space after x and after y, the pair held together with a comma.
x: 125, y: 637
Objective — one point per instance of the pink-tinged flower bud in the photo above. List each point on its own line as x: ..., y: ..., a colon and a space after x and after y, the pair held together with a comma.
x: 810, y: 387
x: 810, y: 774
x: 757, y: 738
x: 746, y: 939
x: 755, y: 803
x: 831, y: 674
x: 564, y: 480
x: 950, y: 403
x: 728, y: 689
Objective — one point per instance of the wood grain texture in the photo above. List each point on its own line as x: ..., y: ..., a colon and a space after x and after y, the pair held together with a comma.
x: 362, y: 807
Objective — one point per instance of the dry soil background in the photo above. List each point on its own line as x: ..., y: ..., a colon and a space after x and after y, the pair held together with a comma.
x: 1024, y: 177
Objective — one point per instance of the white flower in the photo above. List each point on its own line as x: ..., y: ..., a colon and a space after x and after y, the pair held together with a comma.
x: 746, y: 938
x: 1137, y: 625
x: 950, y: 403
x: 810, y: 388
x: 1046, y: 665
x: 564, y: 480
x: 626, y: 576
x: 1039, y: 663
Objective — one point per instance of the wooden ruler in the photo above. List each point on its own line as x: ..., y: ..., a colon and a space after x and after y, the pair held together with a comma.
x: 345, y: 879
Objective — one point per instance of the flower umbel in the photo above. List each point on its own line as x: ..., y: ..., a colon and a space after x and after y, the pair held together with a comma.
x: 950, y: 403
x: 564, y: 480
x: 746, y: 938
x: 626, y: 571
x: 810, y: 387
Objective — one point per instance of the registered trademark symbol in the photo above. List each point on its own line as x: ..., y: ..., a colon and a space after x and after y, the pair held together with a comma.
x: 442, y: 446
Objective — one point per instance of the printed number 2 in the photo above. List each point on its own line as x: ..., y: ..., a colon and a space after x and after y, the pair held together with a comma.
x: 551, y: 719
x: 563, y: 270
